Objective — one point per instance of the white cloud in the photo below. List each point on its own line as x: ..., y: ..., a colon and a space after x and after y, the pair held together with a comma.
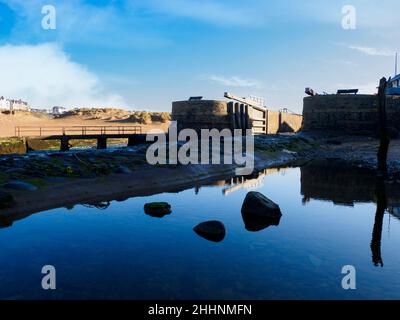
x: 45, y: 76
x: 234, y: 81
x: 374, y: 51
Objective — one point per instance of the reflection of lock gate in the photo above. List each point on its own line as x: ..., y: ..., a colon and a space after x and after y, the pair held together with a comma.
x: 239, y: 183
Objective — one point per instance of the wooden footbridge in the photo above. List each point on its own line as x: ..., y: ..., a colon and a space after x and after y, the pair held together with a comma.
x: 65, y: 134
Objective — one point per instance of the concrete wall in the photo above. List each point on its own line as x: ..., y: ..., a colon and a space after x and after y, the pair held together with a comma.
x: 210, y: 114
x: 204, y: 114
x: 290, y: 122
x: 273, y: 122
x: 350, y: 114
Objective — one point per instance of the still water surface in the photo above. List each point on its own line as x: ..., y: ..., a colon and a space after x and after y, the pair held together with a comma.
x: 121, y: 253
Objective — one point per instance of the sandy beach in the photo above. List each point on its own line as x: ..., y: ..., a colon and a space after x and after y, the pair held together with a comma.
x: 9, y: 122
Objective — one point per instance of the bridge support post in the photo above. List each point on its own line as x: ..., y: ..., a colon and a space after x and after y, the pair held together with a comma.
x: 132, y: 142
x: 64, y: 144
x: 102, y: 143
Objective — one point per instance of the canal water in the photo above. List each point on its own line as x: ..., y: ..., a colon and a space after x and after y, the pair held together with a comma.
x: 116, y: 251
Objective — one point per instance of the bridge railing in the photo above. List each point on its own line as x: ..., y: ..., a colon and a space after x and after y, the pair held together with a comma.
x: 36, y: 131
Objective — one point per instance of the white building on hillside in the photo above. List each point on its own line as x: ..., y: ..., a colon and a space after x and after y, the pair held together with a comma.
x: 13, y: 105
x: 4, y: 104
x: 18, y: 105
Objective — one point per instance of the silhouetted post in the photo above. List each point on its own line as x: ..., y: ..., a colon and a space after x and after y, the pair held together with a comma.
x: 64, y: 143
x: 383, y: 128
x: 102, y: 143
x: 377, y: 232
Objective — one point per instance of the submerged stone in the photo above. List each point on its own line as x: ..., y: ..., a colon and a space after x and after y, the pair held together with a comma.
x: 157, y: 209
x: 211, y: 230
x: 20, y: 186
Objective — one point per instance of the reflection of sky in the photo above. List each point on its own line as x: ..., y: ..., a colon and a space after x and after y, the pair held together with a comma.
x: 122, y: 253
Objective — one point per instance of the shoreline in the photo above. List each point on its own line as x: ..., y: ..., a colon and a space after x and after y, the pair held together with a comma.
x: 103, y: 184
x: 119, y: 187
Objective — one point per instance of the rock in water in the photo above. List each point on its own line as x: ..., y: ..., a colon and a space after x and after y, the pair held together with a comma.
x: 157, y: 209
x: 20, y: 185
x: 211, y: 230
x: 6, y: 200
x: 258, y: 204
x: 259, y: 212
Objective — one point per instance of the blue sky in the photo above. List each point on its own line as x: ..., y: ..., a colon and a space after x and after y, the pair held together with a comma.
x: 144, y: 54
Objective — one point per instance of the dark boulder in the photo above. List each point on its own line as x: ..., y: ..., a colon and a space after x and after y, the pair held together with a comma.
x: 157, y: 209
x: 259, y: 212
x: 20, y: 186
x: 211, y: 230
x: 257, y: 204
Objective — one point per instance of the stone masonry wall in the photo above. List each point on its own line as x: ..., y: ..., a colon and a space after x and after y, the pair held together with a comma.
x: 203, y: 114
x: 273, y: 122
x: 349, y: 114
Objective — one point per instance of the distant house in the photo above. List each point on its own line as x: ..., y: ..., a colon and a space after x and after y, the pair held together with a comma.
x: 13, y: 105
x: 4, y: 104
x: 18, y: 105
x: 57, y: 110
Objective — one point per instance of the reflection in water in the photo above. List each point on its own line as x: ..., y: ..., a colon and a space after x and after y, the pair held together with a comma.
x: 238, y: 183
x: 377, y: 232
x: 98, y: 205
x: 299, y: 259
x: 348, y: 185
x: 336, y: 182
x: 255, y: 223
x: 249, y: 183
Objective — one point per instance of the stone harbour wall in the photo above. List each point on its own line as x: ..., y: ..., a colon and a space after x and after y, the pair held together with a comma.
x: 348, y: 114
x: 203, y: 114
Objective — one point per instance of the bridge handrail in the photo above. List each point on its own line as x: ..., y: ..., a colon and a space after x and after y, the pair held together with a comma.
x: 82, y: 130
